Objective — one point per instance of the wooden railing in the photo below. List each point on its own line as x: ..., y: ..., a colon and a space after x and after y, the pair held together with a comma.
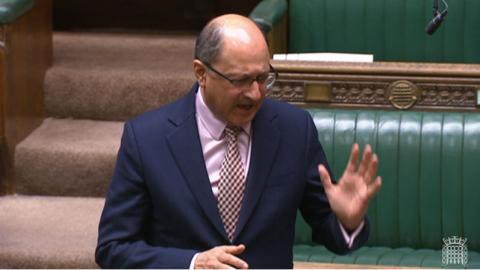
x: 382, y: 85
x: 25, y: 55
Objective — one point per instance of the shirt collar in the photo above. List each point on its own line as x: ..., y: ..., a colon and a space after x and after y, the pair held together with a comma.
x: 213, y: 124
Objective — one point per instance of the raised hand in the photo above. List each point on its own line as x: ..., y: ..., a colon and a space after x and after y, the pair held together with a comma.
x: 350, y: 196
x: 221, y: 257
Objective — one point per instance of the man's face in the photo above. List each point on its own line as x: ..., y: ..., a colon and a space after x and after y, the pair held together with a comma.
x: 244, y: 59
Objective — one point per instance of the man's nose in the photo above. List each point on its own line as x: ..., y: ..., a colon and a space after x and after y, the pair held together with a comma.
x: 254, y: 92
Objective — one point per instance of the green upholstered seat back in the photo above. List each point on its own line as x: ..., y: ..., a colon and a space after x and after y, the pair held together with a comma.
x: 12, y: 9
x: 391, y: 30
x: 430, y: 165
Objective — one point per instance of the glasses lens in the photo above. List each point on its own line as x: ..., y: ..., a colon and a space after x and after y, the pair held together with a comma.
x: 242, y: 83
x: 262, y: 79
x: 270, y: 80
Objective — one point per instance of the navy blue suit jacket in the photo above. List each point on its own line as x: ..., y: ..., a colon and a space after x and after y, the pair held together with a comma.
x: 160, y: 209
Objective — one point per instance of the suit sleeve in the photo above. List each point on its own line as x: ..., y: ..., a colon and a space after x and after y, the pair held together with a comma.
x: 315, y: 207
x: 123, y: 229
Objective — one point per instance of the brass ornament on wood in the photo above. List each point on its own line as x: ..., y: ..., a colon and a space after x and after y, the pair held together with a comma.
x: 318, y: 92
x: 403, y: 94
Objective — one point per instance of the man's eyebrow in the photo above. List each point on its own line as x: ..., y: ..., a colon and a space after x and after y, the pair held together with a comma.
x: 247, y: 75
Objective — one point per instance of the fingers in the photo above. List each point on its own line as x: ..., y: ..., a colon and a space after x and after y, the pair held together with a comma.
x: 233, y: 261
x: 374, y: 187
x: 366, y: 160
x: 221, y: 257
x: 368, y: 165
x: 371, y: 169
x: 352, y: 162
x: 236, y: 250
x: 325, y: 177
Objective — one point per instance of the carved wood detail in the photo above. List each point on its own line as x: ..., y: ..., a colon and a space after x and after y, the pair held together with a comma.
x: 359, y: 93
x: 288, y: 91
x: 430, y: 86
x: 376, y: 93
x: 448, y: 95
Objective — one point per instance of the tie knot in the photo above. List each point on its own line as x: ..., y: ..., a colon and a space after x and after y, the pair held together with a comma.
x: 232, y: 132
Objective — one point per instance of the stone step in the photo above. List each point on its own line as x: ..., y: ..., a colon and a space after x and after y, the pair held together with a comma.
x: 116, y: 76
x: 48, y: 232
x: 66, y: 157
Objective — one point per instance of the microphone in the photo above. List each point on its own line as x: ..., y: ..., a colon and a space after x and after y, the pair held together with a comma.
x: 435, y: 22
x: 438, y: 17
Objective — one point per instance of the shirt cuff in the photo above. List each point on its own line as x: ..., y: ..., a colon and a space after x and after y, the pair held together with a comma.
x: 350, y: 238
x: 192, y: 263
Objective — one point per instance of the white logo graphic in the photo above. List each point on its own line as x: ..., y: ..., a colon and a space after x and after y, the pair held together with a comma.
x: 454, y: 251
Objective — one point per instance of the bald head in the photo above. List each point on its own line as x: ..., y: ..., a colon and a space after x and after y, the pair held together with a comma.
x: 227, y: 30
x: 231, y: 55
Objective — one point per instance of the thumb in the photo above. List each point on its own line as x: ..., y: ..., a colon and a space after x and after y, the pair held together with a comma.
x: 325, y: 177
x: 239, y: 249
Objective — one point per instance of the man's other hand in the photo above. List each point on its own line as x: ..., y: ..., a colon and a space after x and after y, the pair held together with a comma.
x: 350, y: 196
x: 221, y: 257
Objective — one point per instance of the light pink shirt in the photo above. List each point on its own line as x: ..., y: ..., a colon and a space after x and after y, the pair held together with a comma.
x: 210, y: 130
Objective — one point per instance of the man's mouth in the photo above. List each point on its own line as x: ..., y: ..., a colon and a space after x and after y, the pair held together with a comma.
x: 245, y: 107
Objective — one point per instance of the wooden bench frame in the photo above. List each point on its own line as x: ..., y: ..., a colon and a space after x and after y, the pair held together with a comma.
x: 380, y: 85
x: 25, y: 55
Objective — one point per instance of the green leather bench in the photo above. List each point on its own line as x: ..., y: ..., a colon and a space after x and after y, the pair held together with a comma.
x: 391, y: 30
x: 430, y: 166
x: 12, y: 9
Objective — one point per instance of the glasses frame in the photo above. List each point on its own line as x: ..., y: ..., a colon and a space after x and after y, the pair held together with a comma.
x: 236, y: 83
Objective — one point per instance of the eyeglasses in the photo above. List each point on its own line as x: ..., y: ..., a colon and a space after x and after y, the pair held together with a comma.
x: 265, y: 80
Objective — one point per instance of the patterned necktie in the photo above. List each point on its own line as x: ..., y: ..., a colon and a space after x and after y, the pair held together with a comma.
x: 232, y: 182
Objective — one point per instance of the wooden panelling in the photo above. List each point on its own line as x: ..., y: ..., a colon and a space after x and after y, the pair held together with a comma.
x: 4, y: 183
x: 184, y: 15
x: 3, y: 150
x: 277, y: 38
x: 384, y: 85
x: 26, y: 56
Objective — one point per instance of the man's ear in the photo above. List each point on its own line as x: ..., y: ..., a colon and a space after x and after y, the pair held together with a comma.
x: 200, y: 72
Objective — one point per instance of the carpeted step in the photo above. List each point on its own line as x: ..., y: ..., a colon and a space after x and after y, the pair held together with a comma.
x: 66, y: 157
x: 48, y: 232
x: 116, y: 76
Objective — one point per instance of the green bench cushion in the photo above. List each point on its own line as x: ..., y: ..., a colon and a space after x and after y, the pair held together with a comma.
x: 390, y: 30
x: 429, y: 163
x: 12, y: 9
x: 407, y: 257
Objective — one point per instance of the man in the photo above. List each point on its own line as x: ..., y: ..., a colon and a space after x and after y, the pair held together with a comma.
x: 215, y: 179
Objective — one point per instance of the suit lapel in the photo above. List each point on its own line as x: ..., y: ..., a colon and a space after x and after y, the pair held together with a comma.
x: 185, y: 146
x: 265, y: 141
